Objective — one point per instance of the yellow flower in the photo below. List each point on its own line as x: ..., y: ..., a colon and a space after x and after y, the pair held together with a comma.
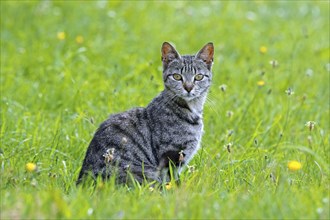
x: 30, y: 167
x: 263, y: 49
x: 294, y: 165
x: 168, y: 186
x: 100, y: 185
x: 261, y: 83
x: 79, y: 39
x: 61, y: 35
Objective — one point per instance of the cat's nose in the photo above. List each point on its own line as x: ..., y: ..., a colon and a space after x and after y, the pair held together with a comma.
x: 188, y: 86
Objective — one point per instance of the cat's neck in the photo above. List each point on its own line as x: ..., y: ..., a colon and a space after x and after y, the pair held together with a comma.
x: 194, y: 106
x: 197, y: 104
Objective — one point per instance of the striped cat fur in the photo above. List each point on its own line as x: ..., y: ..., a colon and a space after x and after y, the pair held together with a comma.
x: 141, y: 143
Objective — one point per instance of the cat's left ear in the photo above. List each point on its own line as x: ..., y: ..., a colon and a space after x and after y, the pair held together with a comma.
x: 206, y: 54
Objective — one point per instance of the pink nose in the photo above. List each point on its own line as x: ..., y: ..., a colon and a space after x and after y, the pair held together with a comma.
x: 188, y: 86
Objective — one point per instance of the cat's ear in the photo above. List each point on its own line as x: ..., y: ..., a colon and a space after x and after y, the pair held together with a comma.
x: 168, y: 54
x: 206, y: 54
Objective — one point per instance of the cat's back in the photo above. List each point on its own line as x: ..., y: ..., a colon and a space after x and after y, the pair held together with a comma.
x: 122, y: 127
x: 127, y: 118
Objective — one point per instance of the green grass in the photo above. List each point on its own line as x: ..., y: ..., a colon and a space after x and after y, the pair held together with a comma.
x: 55, y: 93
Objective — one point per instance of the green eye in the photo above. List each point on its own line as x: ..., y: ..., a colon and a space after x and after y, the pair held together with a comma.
x: 199, y: 77
x: 177, y: 76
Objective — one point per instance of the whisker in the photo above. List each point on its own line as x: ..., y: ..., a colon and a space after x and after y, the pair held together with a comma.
x: 212, y: 105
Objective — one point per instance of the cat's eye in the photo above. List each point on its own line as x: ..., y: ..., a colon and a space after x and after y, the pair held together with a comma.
x: 177, y: 76
x: 199, y: 77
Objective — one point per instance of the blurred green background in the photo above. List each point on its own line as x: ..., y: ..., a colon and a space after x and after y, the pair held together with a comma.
x: 67, y: 65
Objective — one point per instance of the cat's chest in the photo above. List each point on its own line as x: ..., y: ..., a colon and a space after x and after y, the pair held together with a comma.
x: 178, y: 128
x: 178, y: 142
x: 178, y: 134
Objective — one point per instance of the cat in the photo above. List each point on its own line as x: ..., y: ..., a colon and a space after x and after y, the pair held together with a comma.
x: 143, y: 142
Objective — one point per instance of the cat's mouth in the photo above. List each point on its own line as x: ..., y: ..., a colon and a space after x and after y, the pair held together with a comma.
x: 188, y: 96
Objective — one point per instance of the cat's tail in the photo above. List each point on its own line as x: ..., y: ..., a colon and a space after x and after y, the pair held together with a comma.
x: 80, y: 178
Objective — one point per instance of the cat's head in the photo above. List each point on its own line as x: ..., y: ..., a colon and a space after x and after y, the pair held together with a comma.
x: 188, y: 76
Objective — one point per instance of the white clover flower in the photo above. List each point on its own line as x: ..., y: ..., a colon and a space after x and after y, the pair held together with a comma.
x: 289, y: 91
x: 274, y: 63
x: 310, y: 125
x: 223, y: 87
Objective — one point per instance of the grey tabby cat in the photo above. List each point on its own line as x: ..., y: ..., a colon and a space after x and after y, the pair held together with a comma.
x: 142, y: 142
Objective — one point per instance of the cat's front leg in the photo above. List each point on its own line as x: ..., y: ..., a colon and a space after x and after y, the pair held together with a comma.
x: 171, y: 164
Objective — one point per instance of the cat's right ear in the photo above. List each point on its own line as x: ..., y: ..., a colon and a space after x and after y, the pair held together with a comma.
x: 168, y: 54
x: 206, y: 54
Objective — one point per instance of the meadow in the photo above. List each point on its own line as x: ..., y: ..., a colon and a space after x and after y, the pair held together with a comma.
x: 67, y: 65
